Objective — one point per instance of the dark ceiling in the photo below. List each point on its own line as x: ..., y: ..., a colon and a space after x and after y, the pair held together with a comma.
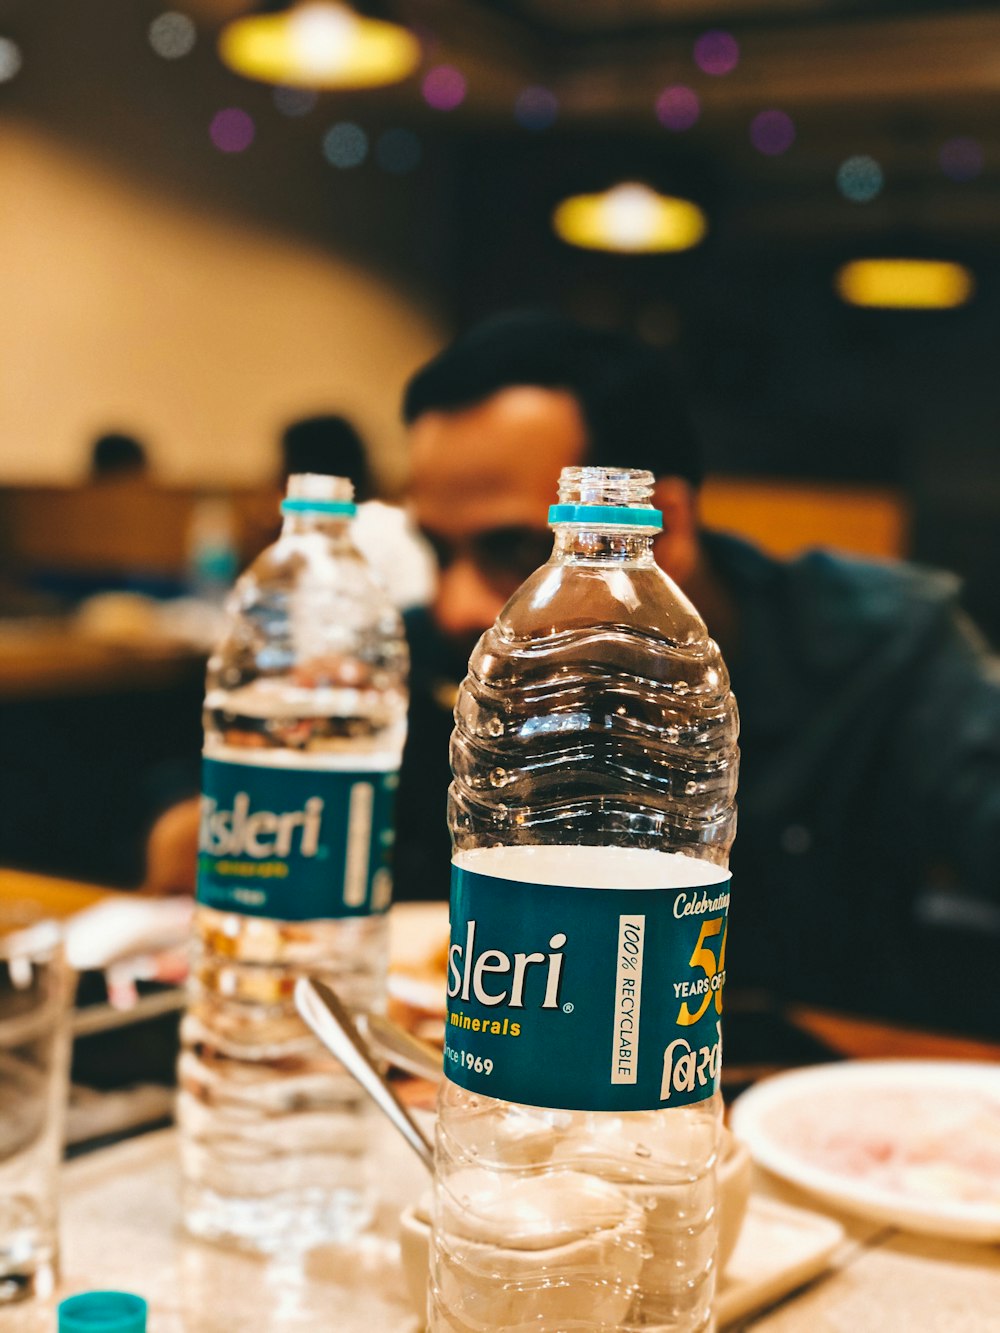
x: 802, y: 51
x: 887, y: 78
x: 782, y: 372
x: 562, y: 18
x: 892, y: 78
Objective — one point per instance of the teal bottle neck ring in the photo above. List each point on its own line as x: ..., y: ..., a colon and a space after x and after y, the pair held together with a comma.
x: 332, y: 508
x: 599, y: 516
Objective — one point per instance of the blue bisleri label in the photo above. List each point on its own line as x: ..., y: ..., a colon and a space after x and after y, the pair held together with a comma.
x: 590, y: 999
x: 295, y: 844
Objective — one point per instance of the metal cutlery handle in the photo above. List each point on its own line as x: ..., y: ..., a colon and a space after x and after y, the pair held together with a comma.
x: 327, y: 1016
x: 402, y: 1049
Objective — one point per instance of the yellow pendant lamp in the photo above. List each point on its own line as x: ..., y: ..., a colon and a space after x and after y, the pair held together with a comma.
x: 631, y: 218
x: 319, y: 44
x: 905, y: 284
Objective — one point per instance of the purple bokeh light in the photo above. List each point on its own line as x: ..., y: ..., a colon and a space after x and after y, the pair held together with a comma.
x: 772, y: 132
x: 231, y: 130
x: 678, y: 107
x: 536, y: 108
x: 444, y: 88
x: 716, y: 52
x: 962, y: 158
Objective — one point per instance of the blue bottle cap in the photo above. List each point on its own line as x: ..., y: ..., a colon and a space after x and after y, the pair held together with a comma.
x: 603, y: 515
x: 103, y: 1312
x: 306, y: 505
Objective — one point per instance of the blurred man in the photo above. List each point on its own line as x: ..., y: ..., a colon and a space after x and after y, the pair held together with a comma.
x: 865, y: 867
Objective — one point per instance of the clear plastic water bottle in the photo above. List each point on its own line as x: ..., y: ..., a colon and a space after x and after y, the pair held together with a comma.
x: 305, y: 718
x: 592, y: 811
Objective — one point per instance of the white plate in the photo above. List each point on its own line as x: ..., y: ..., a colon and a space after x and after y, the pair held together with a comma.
x: 417, y: 934
x: 913, y: 1143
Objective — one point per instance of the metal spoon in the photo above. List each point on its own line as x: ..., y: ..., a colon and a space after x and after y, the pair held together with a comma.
x: 401, y: 1048
x: 325, y: 1013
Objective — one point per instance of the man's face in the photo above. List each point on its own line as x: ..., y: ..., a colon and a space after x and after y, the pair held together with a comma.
x: 483, y: 479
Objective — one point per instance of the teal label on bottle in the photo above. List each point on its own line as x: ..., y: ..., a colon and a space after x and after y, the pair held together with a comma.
x: 295, y: 844
x: 585, y: 999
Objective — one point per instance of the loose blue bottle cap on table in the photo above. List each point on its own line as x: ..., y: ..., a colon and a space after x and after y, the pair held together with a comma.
x: 103, y: 1312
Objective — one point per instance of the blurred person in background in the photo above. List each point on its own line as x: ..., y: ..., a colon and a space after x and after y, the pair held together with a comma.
x: 869, y: 828
x: 384, y: 534
x: 865, y: 865
x: 118, y: 457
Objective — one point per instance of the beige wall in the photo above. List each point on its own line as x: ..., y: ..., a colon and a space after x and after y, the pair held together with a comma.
x: 202, y: 336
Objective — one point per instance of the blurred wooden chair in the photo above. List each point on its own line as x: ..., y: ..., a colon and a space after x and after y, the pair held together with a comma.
x: 786, y: 517
x: 137, y: 526
x: 120, y: 527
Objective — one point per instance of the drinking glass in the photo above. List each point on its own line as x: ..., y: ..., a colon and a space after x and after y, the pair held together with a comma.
x: 35, y: 991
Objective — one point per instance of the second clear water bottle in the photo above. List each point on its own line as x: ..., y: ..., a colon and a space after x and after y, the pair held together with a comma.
x: 305, y: 718
x: 592, y: 813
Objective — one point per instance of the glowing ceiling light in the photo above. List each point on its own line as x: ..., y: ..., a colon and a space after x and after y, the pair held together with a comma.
x: 320, y: 44
x: 629, y: 219
x: 905, y: 284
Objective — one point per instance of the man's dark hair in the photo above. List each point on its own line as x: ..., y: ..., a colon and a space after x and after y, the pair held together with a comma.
x: 634, y: 415
x: 329, y: 445
x: 117, y: 455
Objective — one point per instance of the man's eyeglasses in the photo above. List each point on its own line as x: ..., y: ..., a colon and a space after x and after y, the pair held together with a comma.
x: 502, y: 555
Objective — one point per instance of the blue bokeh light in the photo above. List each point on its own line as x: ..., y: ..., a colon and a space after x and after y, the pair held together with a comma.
x: 860, y: 179
x: 345, y: 145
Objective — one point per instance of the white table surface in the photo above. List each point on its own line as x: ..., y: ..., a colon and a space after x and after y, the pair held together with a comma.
x: 884, y: 1280
x: 121, y: 1229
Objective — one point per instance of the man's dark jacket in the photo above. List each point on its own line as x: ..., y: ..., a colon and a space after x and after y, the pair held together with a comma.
x: 866, y: 869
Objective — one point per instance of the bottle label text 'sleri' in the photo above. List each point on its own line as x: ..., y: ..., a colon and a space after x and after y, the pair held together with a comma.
x: 295, y: 844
